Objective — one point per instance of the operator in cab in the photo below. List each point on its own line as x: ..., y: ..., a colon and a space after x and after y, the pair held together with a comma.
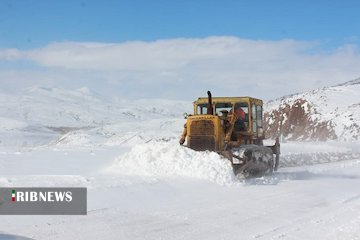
x: 240, y: 118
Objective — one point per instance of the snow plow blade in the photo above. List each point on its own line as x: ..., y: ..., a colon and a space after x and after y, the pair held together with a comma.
x: 251, y: 160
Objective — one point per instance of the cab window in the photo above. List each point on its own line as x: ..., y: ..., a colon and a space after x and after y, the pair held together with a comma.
x: 222, y: 106
x: 245, y: 107
x: 259, y: 115
x: 253, y: 115
x: 201, y: 109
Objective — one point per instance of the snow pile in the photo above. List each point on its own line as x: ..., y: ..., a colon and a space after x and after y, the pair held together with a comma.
x: 168, y: 159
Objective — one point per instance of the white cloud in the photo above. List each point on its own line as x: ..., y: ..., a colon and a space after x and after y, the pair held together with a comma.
x: 11, y: 54
x: 159, y: 55
x: 227, y: 65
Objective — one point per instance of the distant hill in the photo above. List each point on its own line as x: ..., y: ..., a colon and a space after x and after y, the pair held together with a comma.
x: 329, y: 113
x: 37, y: 116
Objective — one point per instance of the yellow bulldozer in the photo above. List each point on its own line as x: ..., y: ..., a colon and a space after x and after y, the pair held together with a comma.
x: 233, y: 127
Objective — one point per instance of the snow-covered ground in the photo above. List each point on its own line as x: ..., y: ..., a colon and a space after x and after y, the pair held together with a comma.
x: 143, y: 185
x: 167, y: 192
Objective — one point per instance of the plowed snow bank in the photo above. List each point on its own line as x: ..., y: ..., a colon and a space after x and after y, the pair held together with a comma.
x: 162, y: 160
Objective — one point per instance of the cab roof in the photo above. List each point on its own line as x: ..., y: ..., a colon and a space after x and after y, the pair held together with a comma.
x: 204, y: 100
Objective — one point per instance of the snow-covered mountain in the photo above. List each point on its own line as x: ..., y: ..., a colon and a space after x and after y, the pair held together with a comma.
x: 38, y: 115
x: 322, y: 114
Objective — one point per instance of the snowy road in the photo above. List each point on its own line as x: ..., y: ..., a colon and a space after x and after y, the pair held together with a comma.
x: 321, y: 201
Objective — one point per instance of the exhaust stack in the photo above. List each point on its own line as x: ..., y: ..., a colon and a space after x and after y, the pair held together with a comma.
x: 209, y: 109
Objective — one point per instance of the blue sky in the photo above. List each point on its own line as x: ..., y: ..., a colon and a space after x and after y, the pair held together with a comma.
x: 27, y: 24
x: 179, y: 49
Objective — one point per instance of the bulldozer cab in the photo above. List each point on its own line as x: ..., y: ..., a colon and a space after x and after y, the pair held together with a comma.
x: 224, y: 107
